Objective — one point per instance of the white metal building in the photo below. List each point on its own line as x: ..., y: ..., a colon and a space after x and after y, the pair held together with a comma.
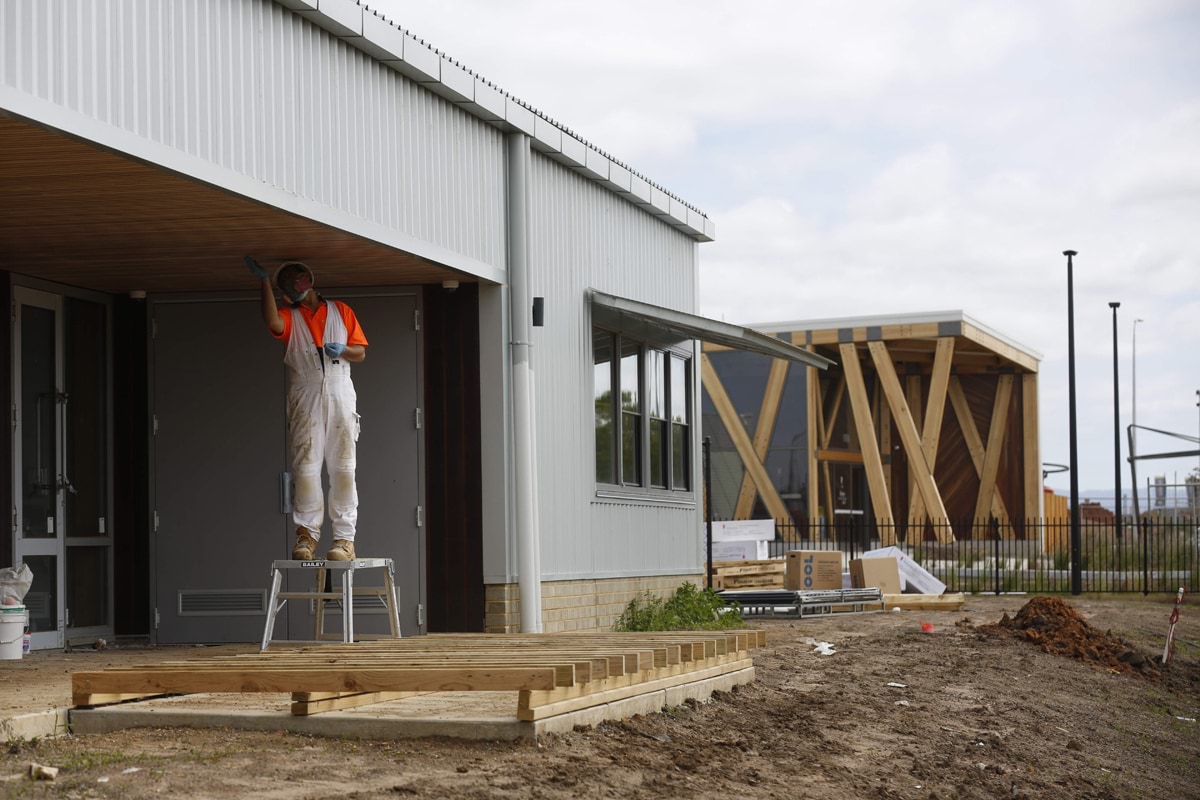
x: 145, y: 147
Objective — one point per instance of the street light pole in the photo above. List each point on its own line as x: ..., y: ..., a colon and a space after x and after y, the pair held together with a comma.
x: 1116, y: 421
x: 1135, y: 324
x: 1076, y: 537
x: 1133, y: 432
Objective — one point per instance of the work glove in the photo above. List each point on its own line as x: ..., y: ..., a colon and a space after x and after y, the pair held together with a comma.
x: 334, y: 349
x: 256, y: 269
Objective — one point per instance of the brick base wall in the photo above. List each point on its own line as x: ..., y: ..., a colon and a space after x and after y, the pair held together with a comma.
x: 587, y: 605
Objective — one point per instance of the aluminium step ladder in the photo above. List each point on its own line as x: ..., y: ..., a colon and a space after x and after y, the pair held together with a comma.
x: 324, y: 570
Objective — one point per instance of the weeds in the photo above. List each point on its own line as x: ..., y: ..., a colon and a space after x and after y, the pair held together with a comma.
x: 687, y: 609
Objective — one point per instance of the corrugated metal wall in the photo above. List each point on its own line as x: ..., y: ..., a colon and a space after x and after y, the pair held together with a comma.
x: 257, y: 90
x: 584, y: 236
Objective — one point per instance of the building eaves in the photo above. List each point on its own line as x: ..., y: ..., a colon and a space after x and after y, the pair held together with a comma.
x: 382, y: 39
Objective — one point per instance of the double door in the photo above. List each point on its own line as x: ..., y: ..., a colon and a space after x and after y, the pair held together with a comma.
x: 221, y: 472
x: 61, y: 463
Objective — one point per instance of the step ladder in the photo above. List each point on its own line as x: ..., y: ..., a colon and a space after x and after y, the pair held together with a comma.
x: 324, y: 570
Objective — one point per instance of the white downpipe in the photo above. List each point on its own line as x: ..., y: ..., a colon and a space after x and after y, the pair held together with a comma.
x: 525, y: 480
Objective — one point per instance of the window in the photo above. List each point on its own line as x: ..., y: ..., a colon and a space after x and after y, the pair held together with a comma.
x: 643, y: 439
x: 680, y: 429
x: 606, y: 428
x: 631, y: 417
x: 656, y: 405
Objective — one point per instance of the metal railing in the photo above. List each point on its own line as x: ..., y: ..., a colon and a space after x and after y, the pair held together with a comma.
x: 1159, y: 555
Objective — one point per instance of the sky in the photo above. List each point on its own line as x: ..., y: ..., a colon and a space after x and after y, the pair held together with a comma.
x: 893, y: 157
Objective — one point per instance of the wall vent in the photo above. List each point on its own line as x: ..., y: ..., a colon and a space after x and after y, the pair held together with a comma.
x: 222, y: 602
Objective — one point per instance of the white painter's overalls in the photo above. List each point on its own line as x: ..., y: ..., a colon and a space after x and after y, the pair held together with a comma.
x: 322, y: 426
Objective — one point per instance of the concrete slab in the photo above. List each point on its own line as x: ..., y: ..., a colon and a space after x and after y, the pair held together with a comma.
x: 37, y: 725
x: 335, y: 724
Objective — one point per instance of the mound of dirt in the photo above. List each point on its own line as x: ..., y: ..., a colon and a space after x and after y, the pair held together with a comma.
x: 1057, y: 628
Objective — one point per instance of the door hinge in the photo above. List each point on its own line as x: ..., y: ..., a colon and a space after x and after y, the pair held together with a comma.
x: 14, y: 416
x: 420, y: 517
x: 156, y: 522
x: 417, y: 418
x: 416, y: 319
x: 15, y: 526
x: 156, y: 618
x: 155, y: 420
x: 420, y: 614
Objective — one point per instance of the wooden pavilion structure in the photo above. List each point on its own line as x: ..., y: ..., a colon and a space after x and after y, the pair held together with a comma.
x: 927, y: 418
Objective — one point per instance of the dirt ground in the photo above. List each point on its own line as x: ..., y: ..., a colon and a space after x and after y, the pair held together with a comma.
x: 980, y: 714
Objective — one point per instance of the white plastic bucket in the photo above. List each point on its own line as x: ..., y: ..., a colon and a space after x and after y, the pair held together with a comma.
x: 12, y: 631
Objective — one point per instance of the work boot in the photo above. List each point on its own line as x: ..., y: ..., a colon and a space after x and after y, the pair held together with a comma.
x: 341, y: 550
x: 306, y: 545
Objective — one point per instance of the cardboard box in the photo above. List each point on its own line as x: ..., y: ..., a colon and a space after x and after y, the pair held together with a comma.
x: 876, y: 573
x: 813, y: 569
x: 741, y: 551
x: 914, y: 578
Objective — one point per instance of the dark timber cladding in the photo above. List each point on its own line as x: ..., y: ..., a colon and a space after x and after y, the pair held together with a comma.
x: 453, y: 526
x: 927, y: 418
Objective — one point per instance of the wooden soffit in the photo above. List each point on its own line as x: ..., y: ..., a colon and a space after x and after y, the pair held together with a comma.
x: 74, y: 213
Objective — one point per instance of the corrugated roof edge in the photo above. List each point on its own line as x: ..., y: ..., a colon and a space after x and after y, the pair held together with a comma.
x: 370, y: 31
x: 915, y: 318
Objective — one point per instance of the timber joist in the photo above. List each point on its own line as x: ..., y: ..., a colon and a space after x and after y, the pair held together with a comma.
x: 552, y: 673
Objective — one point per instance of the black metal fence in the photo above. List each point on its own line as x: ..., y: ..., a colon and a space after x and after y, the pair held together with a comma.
x: 1160, y: 555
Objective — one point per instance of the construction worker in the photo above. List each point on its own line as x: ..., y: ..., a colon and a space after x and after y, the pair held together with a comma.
x: 323, y: 337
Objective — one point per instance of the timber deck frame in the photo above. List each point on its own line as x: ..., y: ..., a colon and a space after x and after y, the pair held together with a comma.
x: 552, y: 673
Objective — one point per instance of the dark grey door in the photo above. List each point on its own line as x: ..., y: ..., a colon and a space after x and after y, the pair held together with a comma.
x: 389, y: 449
x: 217, y: 457
x: 221, y: 448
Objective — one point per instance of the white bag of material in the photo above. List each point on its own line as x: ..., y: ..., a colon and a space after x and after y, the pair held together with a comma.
x: 914, y: 579
x: 14, y: 583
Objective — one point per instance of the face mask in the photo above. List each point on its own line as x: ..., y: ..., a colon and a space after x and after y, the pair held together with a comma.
x: 300, y: 288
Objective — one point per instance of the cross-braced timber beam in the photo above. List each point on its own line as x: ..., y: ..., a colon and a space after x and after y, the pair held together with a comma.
x: 741, y: 440
x: 763, y: 432
x: 934, y: 412
x: 997, y: 430
x: 860, y: 405
x: 910, y: 439
x: 966, y: 421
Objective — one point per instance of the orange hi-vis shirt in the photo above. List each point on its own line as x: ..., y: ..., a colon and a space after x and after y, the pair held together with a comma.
x: 316, y: 323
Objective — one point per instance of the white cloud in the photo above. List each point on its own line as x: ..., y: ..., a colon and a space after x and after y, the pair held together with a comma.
x: 893, y: 157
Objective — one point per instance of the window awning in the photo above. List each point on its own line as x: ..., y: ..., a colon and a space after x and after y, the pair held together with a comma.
x: 656, y: 322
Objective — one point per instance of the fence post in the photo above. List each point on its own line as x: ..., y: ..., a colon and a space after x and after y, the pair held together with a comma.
x: 996, y: 537
x: 708, y: 504
x: 1145, y: 528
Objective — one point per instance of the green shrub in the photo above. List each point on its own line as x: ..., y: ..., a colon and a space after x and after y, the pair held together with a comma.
x: 688, y: 609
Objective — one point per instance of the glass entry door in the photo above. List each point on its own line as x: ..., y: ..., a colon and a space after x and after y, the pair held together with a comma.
x: 61, y: 464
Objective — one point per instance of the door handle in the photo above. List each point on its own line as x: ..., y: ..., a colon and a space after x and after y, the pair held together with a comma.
x: 285, y: 493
